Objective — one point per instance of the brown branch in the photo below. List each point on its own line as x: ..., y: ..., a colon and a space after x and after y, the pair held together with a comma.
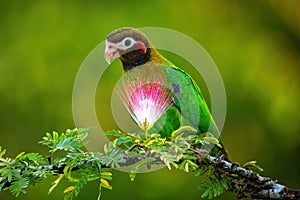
x: 248, y: 184
x: 244, y: 182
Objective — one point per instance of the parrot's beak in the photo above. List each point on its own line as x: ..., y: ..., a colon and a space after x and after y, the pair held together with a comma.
x: 111, y: 52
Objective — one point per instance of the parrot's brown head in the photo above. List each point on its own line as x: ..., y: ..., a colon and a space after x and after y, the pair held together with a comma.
x: 129, y: 45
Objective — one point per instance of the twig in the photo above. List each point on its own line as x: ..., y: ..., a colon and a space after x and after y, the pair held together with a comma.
x: 244, y: 182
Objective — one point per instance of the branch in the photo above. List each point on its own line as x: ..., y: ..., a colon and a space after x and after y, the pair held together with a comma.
x: 253, y: 185
x: 244, y: 182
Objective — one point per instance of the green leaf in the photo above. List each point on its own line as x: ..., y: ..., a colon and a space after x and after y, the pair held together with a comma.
x: 212, y: 183
x: 18, y: 186
x: 252, y: 165
x: 55, y: 183
x: 205, y: 193
x: 186, y: 167
x: 19, y: 155
x: 122, y: 140
x: 189, y: 157
x: 132, y: 176
x: 210, y: 194
x: 183, y: 129
x: 192, y: 164
x: 2, y: 152
x: 113, y: 133
x: 106, y: 175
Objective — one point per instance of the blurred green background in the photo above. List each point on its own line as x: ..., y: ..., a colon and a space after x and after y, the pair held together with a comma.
x: 255, y: 44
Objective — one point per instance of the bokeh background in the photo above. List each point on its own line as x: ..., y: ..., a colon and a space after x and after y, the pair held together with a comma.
x: 255, y: 44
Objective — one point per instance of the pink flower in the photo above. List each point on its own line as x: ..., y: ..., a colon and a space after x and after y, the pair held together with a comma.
x: 145, y: 100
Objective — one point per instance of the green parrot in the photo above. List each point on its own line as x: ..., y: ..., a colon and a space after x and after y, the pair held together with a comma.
x: 188, y: 106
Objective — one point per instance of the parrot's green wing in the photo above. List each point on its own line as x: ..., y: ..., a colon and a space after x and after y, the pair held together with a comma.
x: 189, y: 107
x: 188, y: 103
x: 168, y: 122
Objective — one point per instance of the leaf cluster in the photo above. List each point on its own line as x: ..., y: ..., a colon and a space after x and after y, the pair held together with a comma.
x: 212, y: 183
x: 24, y: 170
x: 179, y: 153
x: 70, y: 161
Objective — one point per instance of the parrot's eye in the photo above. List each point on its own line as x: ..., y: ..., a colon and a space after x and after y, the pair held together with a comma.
x: 127, y: 42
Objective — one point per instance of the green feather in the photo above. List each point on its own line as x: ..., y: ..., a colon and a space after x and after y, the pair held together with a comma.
x: 189, y: 108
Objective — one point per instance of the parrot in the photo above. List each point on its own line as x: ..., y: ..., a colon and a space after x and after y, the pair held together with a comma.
x: 134, y: 50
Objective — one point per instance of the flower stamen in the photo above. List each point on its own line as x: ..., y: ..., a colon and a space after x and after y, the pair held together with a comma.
x: 146, y: 100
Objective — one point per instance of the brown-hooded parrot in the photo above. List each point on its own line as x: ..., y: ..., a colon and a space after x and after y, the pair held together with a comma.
x: 135, y: 50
